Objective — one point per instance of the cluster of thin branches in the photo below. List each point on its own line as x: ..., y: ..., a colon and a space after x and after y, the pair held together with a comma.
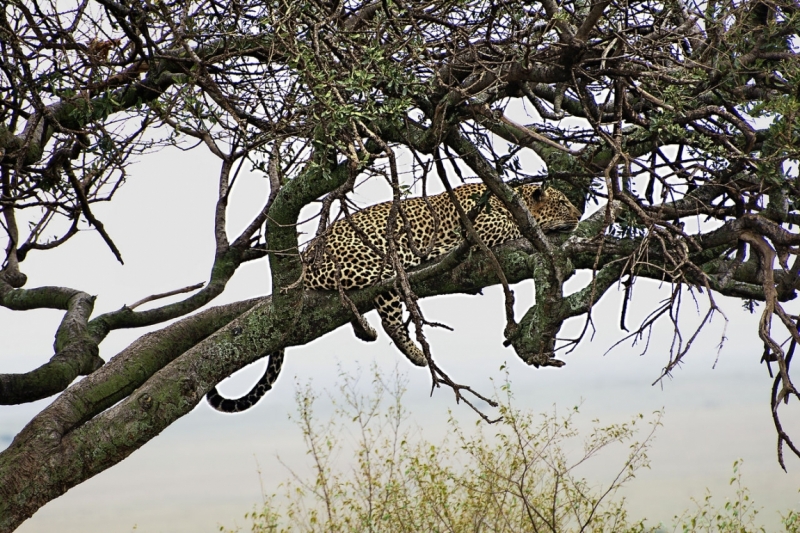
x: 679, y: 116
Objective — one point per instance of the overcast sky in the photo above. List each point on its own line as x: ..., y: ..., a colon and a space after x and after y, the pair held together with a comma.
x: 202, y: 472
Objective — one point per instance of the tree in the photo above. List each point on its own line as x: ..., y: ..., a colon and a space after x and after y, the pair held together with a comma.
x: 661, y: 111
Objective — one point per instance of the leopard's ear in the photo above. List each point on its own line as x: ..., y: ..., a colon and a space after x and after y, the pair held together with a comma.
x: 537, y: 193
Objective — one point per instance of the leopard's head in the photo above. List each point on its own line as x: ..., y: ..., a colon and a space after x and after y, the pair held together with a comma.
x: 551, y: 208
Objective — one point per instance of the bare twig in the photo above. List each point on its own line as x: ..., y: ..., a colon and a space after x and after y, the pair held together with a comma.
x: 165, y: 295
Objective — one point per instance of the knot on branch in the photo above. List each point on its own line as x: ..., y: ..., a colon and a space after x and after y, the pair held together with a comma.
x: 14, y: 278
x: 536, y: 345
x: 82, y: 355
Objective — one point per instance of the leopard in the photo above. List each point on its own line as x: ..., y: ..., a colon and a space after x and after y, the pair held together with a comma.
x: 351, y: 254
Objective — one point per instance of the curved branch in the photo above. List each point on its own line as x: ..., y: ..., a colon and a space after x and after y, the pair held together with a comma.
x: 225, y: 265
x: 76, y: 355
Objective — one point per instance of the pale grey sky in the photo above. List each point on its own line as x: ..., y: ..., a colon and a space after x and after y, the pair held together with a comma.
x: 202, y: 471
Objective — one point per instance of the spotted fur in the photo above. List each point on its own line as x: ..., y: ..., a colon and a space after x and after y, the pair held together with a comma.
x: 353, y: 253
x: 234, y: 405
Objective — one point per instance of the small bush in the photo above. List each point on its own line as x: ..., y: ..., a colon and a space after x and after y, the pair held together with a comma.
x: 516, y: 475
x: 734, y: 516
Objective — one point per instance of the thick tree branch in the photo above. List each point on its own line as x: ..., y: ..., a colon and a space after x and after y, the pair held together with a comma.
x: 174, y: 390
x: 76, y: 355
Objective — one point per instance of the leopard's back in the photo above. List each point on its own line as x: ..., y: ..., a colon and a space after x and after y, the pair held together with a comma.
x: 355, y: 250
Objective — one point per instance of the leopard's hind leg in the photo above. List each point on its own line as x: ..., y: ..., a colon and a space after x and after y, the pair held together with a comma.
x: 390, y: 309
x: 361, y: 327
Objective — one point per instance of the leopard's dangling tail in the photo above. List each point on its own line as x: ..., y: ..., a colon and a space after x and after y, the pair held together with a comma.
x: 235, y: 405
